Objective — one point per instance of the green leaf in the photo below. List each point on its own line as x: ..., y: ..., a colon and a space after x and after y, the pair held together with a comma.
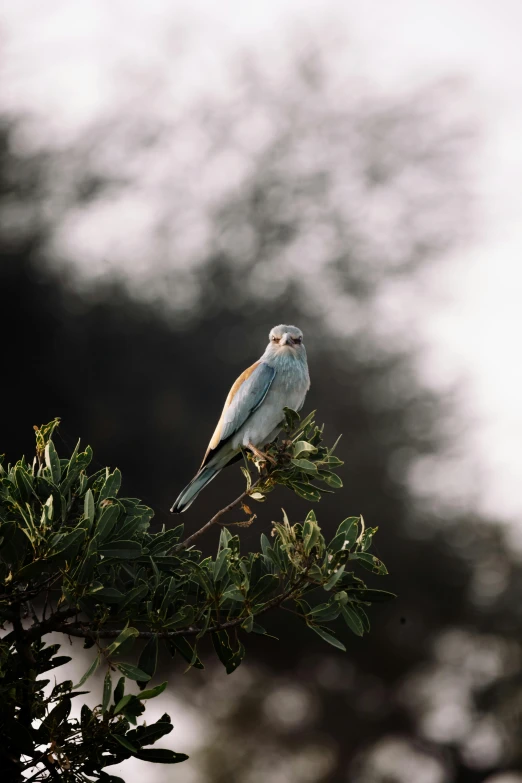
x: 366, y: 539
x: 125, y: 742
x: 363, y: 617
x: 370, y: 562
x: 346, y: 535
x: 325, y: 612
x: 121, y: 550
x: 372, y: 596
x: 88, y: 506
x: 245, y: 582
x: 53, y: 462
x: 331, y: 462
x: 119, y: 690
x: 125, y: 634
x: 334, y: 578
x: 86, y: 568
x: 132, y: 672
x: 328, y: 637
x: 206, y: 622
x: 180, y: 644
x: 256, y: 628
x: 163, y: 542
x: 35, y: 569
x: 73, y: 469
x: 111, y: 486
x: 138, y: 522
x: 149, y: 657
x: 330, y: 479
x: 69, y: 545
x: 228, y: 657
x: 265, y: 546
x: 224, y: 538
x: 92, y: 668
x: 171, y: 590
x: 123, y: 703
x: 303, y: 425
x: 306, y: 491
x: 109, y: 595
x: 313, y: 537
x: 107, y: 690
x: 248, y: 478
x: 291, y: 418
x: 233, y: 594
x: 23, y: 483
x: 134, y: 595
x: 304, y: 465
x: 47, y: 510
x: 352, y: 620
x: 106, y: 522
x: 151, y: 693
x: 331, y: 451
x: 264, y: 586
x: 148, y: 735
x: 59, y: 713
x: 161, y: 756
x: 44, y: 433
x: 220, y: 566
x: 302, y: 447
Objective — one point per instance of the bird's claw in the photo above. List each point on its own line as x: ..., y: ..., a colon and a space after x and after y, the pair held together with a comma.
x: 261, y: 455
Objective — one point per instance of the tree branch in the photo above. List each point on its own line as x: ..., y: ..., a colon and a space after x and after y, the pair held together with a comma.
x: 52, y: 623
x: 22, y: 644
x: 215, y: 519
x: 83, y: 632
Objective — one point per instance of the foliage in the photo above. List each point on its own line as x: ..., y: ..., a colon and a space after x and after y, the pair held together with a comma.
x: 76, y: 558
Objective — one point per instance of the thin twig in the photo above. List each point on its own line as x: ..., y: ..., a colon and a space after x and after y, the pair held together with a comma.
x: 215, y: 519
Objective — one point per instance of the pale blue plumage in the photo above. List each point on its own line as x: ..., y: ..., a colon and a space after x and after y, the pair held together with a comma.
x: 247, y: 399
x: 253, y: 411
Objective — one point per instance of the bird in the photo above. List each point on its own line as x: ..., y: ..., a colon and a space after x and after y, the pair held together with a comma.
x: 254, y: 409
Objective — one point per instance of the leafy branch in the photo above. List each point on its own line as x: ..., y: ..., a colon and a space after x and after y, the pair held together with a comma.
x: 77, y: 558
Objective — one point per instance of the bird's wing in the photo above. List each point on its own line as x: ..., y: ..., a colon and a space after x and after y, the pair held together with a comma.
x: 245, y: 396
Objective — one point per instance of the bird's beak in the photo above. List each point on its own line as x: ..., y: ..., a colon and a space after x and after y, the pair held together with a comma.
x: 285, y: 339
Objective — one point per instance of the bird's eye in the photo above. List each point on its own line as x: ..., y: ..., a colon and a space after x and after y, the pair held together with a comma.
x: 275, y: 339
x: 297, y: 339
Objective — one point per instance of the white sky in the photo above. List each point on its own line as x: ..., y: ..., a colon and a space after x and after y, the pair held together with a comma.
x: 60, y: 59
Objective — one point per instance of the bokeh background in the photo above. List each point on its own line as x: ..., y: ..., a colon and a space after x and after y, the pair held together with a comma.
x: 176, y: 178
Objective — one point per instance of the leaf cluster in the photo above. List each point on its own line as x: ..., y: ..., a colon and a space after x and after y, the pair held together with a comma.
x: 89, y: 562
x: 300, y: 461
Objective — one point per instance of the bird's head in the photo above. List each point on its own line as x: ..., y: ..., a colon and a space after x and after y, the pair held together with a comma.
x: 285, y: 339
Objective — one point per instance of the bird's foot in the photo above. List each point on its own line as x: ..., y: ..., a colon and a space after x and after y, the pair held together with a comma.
x: 261, y: 454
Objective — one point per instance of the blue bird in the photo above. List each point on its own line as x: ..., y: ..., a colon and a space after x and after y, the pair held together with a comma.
x: 253, y: 412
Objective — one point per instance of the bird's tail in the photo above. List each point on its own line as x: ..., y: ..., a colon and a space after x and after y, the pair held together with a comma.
x: 192, y: 490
